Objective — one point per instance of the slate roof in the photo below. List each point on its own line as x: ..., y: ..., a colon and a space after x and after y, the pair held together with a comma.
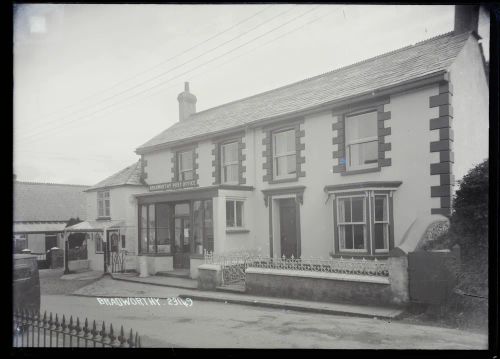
x: 408, y: 63
x: 130, y: 175
x: 48, y: 201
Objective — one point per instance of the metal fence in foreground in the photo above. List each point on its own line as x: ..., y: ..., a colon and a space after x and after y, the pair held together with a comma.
x: 34, y: 330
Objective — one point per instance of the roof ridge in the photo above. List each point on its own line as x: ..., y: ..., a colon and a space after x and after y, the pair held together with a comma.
x: 52, y: 183
x: 132, y: 165
x: 193, y: 116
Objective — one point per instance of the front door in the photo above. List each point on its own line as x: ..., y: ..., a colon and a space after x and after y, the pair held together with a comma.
x: 288, y: 228
x: 182, y: 235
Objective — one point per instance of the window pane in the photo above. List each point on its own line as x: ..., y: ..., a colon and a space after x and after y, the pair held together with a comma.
x: 279, y: 143
x: 348, y: 237
x: 209, y: 232
x: 198, y: 226
x: 239, y: 214
x: 363, y: 153
x: 231, y: 173
x: 380, y: 209
x: 182, y: 209
x: 359, y: 236
x: 280, y: 166
x: 381, y: 236
x: 152, y: 229
x: 361, y: 126
x: 291, y: 164
x: 107, y: 211
x: 187, y: 176
x: 101, y: 208
x: 163, y: 228
x: 186, y: 160
x: 357, y: 209
x: 230, y: 153
x: 230, y: 213
x: 144, y: 227
x: 290, y: 141
x: 345, y: 210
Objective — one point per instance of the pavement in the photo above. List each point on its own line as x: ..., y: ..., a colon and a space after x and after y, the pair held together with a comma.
x: 174, y: 282
x: 103, y: 288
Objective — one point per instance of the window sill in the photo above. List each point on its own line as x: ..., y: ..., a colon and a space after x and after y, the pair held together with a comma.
x: 103, y: 218
x: 367, y: 255
x: 237, y: 230
x: 360, y: 171
x: 155, y: 254
x: 196, y: 256
x: 284, y: 180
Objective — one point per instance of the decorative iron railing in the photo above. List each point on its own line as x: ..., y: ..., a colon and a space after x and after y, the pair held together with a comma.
x: 118, y: 261
x: 33, y: 330
x: 234, y: 265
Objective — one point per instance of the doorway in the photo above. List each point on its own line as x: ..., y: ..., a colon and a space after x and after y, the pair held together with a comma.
x: 289, y: 228
x: 182, y: 235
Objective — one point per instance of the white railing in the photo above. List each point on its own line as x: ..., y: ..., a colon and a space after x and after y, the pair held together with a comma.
x: 234, y: 265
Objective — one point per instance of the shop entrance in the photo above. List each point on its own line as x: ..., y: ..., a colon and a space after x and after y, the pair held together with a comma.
x: 182, y: 235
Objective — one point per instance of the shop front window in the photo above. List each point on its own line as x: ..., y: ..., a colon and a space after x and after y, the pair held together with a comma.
x: 163, y: 228
x: 158, y: 227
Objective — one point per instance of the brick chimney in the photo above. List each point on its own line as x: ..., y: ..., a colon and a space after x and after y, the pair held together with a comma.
x: 187, y: 103
x: 466, y: 18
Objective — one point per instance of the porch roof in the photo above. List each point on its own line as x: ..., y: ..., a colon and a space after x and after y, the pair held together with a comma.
x: 95, y: 226
x: 39, y: 227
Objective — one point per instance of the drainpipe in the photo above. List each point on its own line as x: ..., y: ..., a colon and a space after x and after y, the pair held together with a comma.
x: 106, y: 249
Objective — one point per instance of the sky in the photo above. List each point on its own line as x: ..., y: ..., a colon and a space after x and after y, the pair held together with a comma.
x: 94, y: 82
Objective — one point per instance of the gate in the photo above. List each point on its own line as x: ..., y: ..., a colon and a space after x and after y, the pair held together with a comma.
x: 118, y: 261
x: 432, y: 275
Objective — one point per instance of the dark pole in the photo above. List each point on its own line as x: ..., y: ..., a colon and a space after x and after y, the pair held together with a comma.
x: 66, y: 249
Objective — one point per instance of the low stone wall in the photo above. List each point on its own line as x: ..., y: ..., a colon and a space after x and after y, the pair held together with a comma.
x: 318, y: 286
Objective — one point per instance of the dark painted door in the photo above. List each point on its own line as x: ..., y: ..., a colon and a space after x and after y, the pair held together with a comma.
x: 288, y: 228
x: 182, y: 241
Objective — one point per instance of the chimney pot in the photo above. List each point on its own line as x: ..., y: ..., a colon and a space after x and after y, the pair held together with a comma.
x: 466, y: 18
x: 187, y: 103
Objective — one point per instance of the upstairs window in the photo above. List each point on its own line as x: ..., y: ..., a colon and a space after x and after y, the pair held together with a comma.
x: 185, y: 165
x: 103, y: 204
x: 229, y: 160
x: 284, y: 155
x: 361, y: 141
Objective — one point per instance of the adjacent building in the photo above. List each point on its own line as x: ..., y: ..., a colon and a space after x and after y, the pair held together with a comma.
x: 41, y: 212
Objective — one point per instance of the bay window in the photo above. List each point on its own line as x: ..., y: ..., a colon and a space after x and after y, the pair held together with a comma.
x: 361, y: 141
x: 363, y: 222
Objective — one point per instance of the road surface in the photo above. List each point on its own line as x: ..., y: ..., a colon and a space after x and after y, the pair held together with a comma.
x: 216, y: 325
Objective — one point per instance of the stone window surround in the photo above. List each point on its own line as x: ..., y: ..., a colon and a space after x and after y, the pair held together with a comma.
x: 175, y: 164
x: 443, y: 168
x: 339, y: 139
x: 216, y: 152
x: 267, y: 166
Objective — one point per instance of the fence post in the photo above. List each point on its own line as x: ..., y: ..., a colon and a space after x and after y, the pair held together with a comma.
x: 397, y: 265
